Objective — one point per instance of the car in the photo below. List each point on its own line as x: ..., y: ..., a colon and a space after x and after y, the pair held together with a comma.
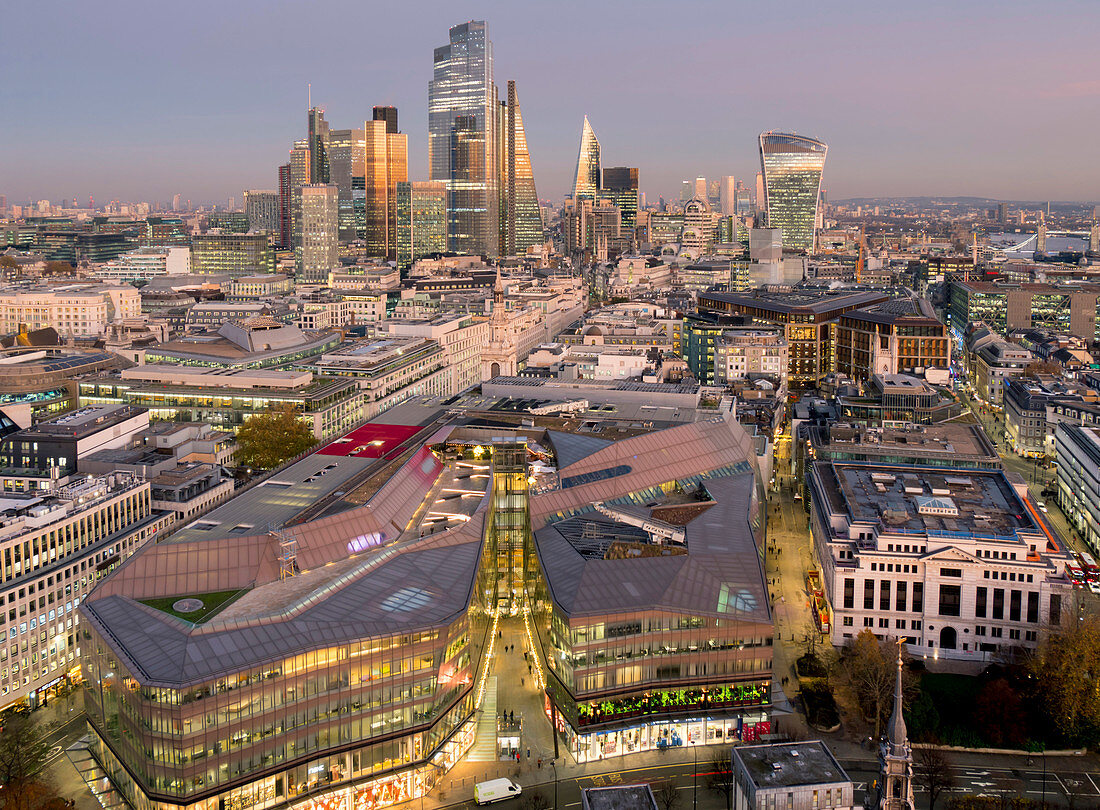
x: 1095, y: 587
x: 1042, y: 505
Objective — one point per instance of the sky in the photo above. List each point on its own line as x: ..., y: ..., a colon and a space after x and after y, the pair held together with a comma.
x: 142, y: 100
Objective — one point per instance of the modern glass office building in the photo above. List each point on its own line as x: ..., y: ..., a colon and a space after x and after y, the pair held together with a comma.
x: 339, y: 663
x: 792, y: 167
x: 520, y: 215
x: 462, y: 148
x: 586, y: 177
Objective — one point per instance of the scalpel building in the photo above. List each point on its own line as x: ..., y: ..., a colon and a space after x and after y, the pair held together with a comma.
x: 339, y: 663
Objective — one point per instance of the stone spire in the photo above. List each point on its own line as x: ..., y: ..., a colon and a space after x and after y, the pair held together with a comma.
x: 895, y: 791
x: 896, y: 729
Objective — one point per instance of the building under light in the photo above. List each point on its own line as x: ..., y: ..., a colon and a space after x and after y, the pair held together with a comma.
x: 792, y: 167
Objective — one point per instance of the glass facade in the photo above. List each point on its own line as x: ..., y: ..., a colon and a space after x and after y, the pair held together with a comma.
x: 586, y: 178
x: 520, y: 216
x: 792, y: 167
x: 462, y: 149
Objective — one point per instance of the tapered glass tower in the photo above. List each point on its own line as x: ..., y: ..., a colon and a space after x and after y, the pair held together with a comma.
x: 520, y: 217
x: 792, y: 167
x: 586, y: 179
x: 462, y: 149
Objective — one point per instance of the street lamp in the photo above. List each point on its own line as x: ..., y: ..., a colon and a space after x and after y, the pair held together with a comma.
x: 695, y: 778
x: 554, y: 765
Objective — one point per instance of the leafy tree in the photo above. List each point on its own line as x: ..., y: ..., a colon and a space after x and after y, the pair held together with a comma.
x: 54, y: 268
x: 268, y: 439
x: 720, y: 778
x: 999, y: 715
x: 1067, y: 679
x: 8, y: 262
x: 868, y: 668
x: 667, y: 794
x: 22, y: 757
x: 932, y: 772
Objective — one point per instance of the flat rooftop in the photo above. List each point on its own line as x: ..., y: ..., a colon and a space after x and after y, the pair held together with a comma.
x: 816, y: 301
x: 784, y: 765
x: 922, y: 499
x: 619, y: 797
x: 944, y: 440
x: 84, y: 422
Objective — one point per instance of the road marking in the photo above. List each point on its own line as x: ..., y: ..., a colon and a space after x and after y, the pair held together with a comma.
x: 1093, y: 783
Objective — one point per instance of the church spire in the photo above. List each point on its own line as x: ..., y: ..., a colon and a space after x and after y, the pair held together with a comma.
x: 896, y: 729
x: 896, y: 760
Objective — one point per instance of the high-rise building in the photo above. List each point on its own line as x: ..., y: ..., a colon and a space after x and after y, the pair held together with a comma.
x: 233, y: 254
x: 421, y: 221
x: 175, y: 202
x: 792, y: 167
x: 687, y: 190
x: 586, y: 178
x: 346, y: 159
x: 319, y: 251
x: 620, y: 186
x: 700, y: 188
x: 318, y: 146
x: 262, y: 210
x: 520, y: 217
x: 298, y: 177
x: 389, y: 115
x: 386, y: 163
x: 727, y: 196
x: 285, y: 206
x: 462, y: 150
x: 758, y: 200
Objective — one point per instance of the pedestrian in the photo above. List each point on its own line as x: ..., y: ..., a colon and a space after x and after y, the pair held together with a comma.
x: 540, y: 763
x: 528, y: 753
x: 512, y: 717
x: 521, y: 681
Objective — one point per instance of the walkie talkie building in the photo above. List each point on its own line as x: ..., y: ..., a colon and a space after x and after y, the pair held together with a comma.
x: 792, y: 167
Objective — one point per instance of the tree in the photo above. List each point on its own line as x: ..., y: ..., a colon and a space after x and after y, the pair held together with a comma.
x: 8, y: 263
x: 868, y: 668
x: 1067, y: 680
x: 932, y: 772
x: 720, y: 778
x: 999, y: 715
x: 535, y: 800
x: 268, y: 439
x: 54, y: 268
x: 667, y: 794
x: 22, y: 757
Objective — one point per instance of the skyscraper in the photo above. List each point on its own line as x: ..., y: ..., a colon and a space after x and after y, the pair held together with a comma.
x: 319, y: 251
x: 792, y: 167
x: 386, y: 163
x: 346, y: 159
x: 285, y: 206
x: 298, y: 177
x: 700, y: 188
x: 462, y: 150
x: 389, y: 115
x: 520, y: 217
x: 421, y: 221
x: 727, y: 196
x: 586, y: 178
x: 620, y: 187
x: 318, y: 145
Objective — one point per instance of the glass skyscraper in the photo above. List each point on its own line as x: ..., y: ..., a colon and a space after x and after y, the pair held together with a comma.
x: 462, y: 149
x: 792, y: 167
x: 620, y: 186
x: 586, y: 179
x: 521, y: 219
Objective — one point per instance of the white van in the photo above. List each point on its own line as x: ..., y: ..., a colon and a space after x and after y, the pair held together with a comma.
x: 495, y: 790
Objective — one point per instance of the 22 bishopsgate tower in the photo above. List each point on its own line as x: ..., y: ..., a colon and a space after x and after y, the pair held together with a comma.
x: 792, y: 167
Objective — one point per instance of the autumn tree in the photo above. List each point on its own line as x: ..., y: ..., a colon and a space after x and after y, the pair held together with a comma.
x: 22, y: 757
x: 868, y: 670
x: 932, y: 772
x: 268, y: 439
x: 999, y: 715
x: 1066, y: 669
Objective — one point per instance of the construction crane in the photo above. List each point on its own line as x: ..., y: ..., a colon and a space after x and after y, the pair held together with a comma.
x: 862, y: 260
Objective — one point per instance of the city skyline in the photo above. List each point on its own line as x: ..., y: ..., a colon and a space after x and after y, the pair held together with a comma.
x: 981, y: 118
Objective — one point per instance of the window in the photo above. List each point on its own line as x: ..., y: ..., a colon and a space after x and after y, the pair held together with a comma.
x: 884, y: 595
x: 979, y: 630
x: 918, y: 597
x: 950, y: 599
x: 899, y: 595
x: 998, y: 603
x: 951, y: 572
x: 849, y: 593
x: 868, y: 594
x: 1014, y: 605
x: 1032, y: 607
x: 847, y: 621
x: 1055, y: 609
x: 979, y: 602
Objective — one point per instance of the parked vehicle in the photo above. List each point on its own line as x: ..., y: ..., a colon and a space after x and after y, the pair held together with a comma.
x: 495, y: 790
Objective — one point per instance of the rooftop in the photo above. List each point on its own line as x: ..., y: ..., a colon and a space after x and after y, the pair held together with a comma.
x: 84, y: 422
x: 796, y: 299
x: 785, y: 765
x: 618, y: 797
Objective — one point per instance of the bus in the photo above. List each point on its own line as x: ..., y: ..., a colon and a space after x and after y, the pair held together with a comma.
x: 1088, y: 565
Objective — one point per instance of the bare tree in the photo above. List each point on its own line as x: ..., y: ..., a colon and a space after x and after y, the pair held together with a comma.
x: 667, y: 794
x: 933, y: 773
x: 720, y: 778
x: 22, y: 757
x: 535, y: 800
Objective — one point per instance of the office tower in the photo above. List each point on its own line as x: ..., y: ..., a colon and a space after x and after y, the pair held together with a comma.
x: 641, y: 200
x: 462, y: 150
x: 233, y: 254
x: 1002, y: 213
x: 687, y: 189
x: 792, y: 167
x: 299, y: 176
x: 319, y: 251
x: 346, y: 160
x: 389, y: 115
x: 175, y: 203
x: 727, y: 196
x: 620, y: 187
x: 586, y: 178
x: 421, y: 221
x: 318, y: 146
x: 758, y: 200
x: 284, y: 205
x: 386, y: 163
x: 700, y: 188
x: 232, y: 204
x: 262, y: 210
x: 520, y: 217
